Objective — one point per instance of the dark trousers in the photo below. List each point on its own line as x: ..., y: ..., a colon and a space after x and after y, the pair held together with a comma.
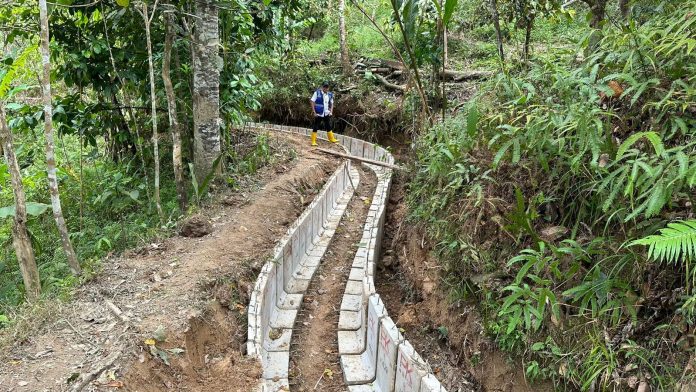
x: 322, y: 123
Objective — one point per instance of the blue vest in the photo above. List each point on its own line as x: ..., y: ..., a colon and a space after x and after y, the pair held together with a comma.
x: 319, y: 102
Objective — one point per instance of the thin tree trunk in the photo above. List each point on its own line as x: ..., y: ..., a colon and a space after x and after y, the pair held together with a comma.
x: 153, y: 99
x: 50, y: 145
x: 496, y: 24
x: 528, y: 37
x: 414, y: 63
x: 173, y: 119
x: 597, y: 13
x: 624, y: 9
x: 342, y: 38
x: 446, y: 44
x: 444, y: 63
x: 206, y: 89
x: 444, y: 67
x: 311, y: 31
x: 20, y: 234
x: 131, y: 112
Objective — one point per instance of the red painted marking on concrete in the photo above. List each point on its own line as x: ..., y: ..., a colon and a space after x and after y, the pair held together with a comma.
x: 385, y: 340
x: 406, y: 365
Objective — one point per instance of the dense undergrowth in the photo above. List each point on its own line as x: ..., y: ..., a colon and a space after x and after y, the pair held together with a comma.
x: 106, y: 204
x: 545, y: 188
x: 106, y: 145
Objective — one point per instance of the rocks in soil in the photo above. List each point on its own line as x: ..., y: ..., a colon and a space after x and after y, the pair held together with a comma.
x: 235, y: 200
x: 195, y: 227
x: 632, y: 382
x: 387, y: 261
x: 428, y: 286
x: 407, y: 317
x: 553, y: 233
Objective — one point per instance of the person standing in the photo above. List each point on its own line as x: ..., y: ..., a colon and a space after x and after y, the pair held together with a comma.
x: 322, y: 106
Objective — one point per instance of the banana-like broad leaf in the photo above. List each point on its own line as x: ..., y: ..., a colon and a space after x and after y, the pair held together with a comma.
x: 450, y: 5
x: 409, y: 17
x: 123, y: 3
x: 33, y: 209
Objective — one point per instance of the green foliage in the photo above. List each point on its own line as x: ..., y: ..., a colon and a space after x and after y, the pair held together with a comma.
x: 199, y: 190
x: 106, y: 205
x: 559, y: 166
x: 9, y: 74
x: 33, y: 209
x: 653, y: 137
x: 675, y: 242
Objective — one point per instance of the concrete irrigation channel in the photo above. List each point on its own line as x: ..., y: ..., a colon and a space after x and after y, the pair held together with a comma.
x: 373, y: 354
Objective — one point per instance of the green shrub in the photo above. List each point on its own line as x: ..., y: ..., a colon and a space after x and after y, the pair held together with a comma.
x: 548, y: 176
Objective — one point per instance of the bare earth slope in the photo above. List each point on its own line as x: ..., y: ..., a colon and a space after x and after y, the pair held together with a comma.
x: 179, y: 302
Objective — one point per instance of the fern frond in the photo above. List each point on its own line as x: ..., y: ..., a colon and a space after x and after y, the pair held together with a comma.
x: 652, y: 137
x: 675, y: 242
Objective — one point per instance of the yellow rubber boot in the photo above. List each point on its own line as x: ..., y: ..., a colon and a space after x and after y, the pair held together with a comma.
x: 332, y: 138
x: 314, y: 139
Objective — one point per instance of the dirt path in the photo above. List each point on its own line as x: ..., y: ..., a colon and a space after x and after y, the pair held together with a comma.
x: 314, y: 359
x: 171, y: 316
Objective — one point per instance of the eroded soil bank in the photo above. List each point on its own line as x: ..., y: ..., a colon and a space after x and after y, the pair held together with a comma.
x: 449, y: 337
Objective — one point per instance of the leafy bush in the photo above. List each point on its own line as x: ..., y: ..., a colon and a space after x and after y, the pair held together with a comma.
x: 559, y: 167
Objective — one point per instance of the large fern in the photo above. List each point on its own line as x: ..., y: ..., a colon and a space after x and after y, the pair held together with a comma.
x: 675, y: 242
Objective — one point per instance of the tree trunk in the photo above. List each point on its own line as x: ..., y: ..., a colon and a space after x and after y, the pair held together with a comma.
x: 445, y: 55
x: 129, y: 107
x: 443, y: 93
x: 342, y: 38
x: 50, y: 145
x: 20, y: 235
x: 624, y: 9
x: 496, y: 24
x: 528, y: 36
x: 153, y: 99
x: 598, y: 13
x: 173, y: 119
x: 206, y: 89
x: 414, y: 63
